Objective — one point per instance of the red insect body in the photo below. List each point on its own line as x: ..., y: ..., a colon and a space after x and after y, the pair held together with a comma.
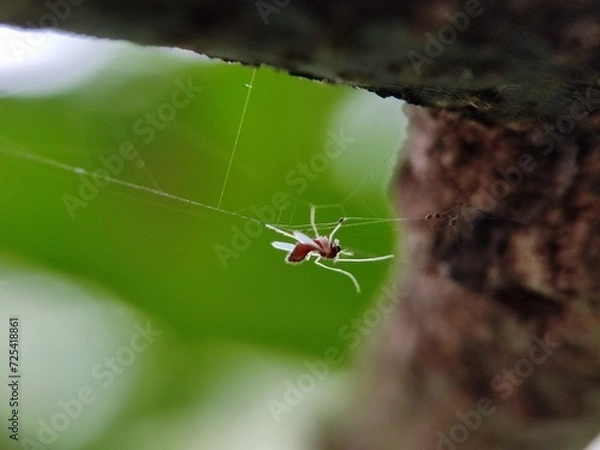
x: 300, y: 252
x: 322, y: 246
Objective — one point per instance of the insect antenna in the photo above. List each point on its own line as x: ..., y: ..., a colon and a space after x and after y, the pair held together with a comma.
x: 337, y: 227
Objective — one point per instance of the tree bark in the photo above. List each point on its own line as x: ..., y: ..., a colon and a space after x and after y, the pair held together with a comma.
x: 496, y: 342
x: 488, y: 59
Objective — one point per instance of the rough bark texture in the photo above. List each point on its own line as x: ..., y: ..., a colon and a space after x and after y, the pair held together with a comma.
x: 502, y: 311
x: 514, y: 59
x: 500, y: 322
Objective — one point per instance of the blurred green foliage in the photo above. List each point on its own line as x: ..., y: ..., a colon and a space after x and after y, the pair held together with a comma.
x: 158, y: 254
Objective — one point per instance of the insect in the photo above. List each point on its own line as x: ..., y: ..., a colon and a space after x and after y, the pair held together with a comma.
x: 321, y: 247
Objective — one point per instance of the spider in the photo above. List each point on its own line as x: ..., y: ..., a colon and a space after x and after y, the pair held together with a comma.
x: 322, y: 247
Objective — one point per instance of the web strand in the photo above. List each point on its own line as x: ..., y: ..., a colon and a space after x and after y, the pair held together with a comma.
x: 237, y: 136
x: 80, y: 171
x: 350, y: 221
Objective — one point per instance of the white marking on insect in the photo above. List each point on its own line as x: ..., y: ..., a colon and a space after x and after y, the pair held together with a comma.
x: 322, y: 247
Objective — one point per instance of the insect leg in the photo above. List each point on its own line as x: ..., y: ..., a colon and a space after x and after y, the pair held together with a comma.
x: 359, y: 260
x: 277, y: 230
x: 333, y: 269
x: 312, y: 220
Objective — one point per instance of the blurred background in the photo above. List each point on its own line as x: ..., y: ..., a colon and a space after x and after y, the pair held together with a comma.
x: 150, y: 322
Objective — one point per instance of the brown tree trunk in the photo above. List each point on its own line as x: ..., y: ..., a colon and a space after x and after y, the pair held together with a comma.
x: 496, y: 342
